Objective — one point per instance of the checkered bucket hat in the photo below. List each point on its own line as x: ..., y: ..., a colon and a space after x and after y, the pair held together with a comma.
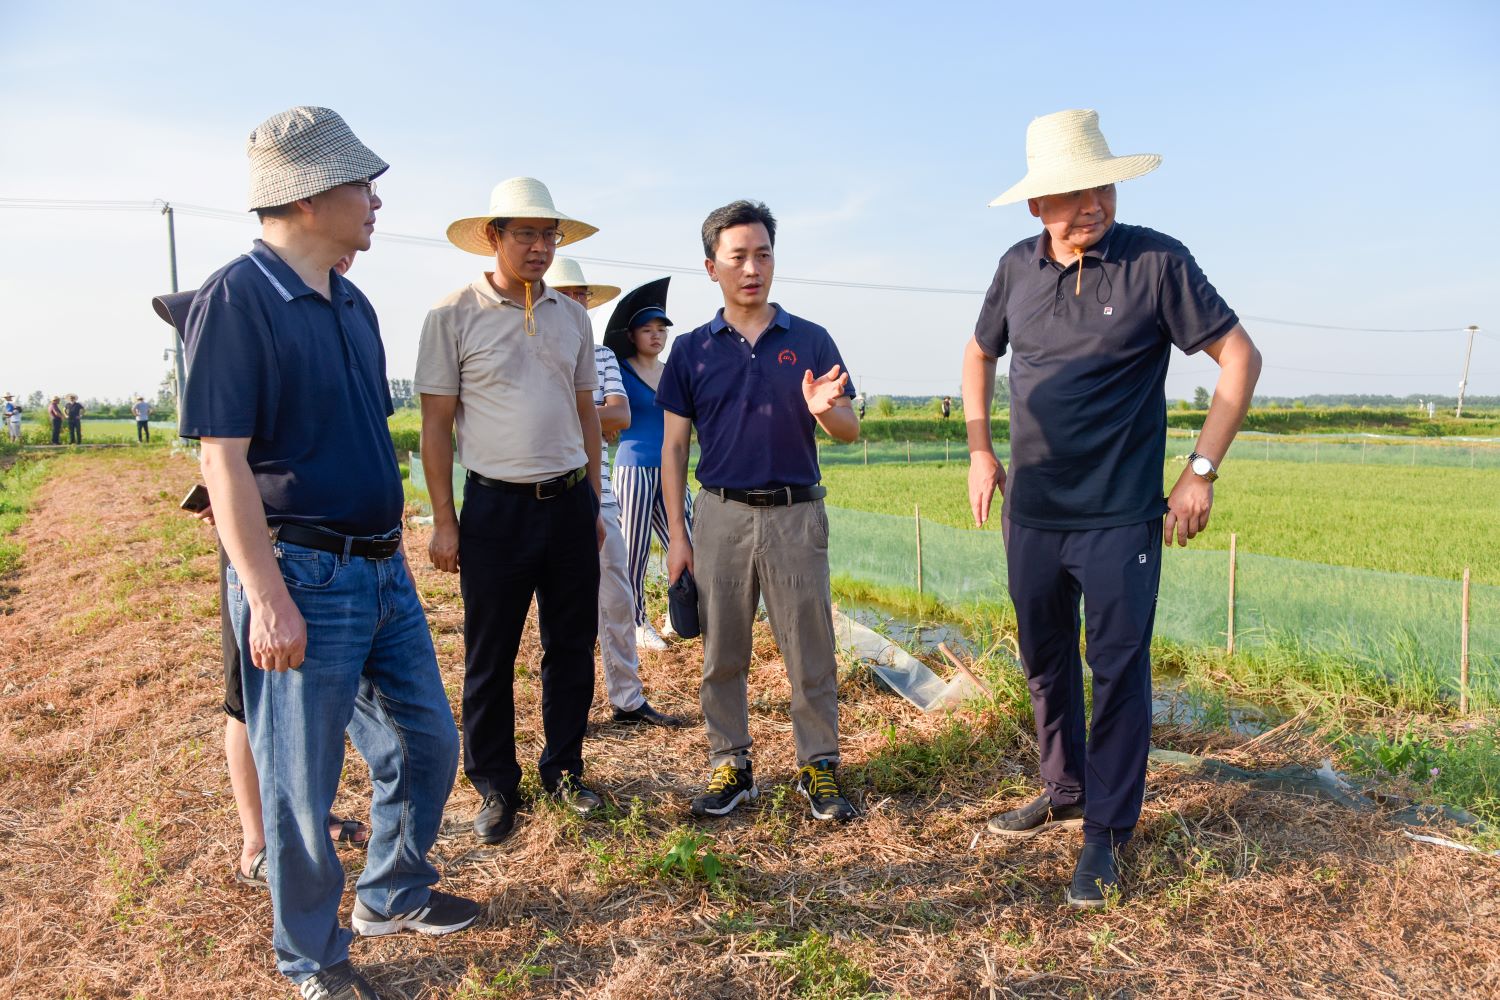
x: 305, y: 151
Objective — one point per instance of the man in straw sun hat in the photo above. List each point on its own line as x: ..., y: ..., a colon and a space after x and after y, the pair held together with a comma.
x: 617, y: 645
x: 1090, y: 310
x: 287, y: 391
x: 510, y: 361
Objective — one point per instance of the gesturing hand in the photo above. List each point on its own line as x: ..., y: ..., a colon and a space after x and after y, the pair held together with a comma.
x: 822, y: 393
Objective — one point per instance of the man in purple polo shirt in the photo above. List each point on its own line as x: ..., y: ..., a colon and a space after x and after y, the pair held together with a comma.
x: 748, y: 382
x: 1090, y: 310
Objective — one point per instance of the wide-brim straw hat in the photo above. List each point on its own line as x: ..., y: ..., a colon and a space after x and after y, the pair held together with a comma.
x: 1065, y: 151
x: 516, y: 198
x: 173, y: 309
x: 305, y: 151
x: 565, y: 273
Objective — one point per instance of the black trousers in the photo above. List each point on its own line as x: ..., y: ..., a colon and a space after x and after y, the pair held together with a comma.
x: 1116, y: 572
x: 513, y: 546
x: 57, y: 430
x: 142, y: 430
x: 75, y: 432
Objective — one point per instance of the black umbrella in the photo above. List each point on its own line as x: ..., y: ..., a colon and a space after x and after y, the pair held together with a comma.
x: 650, y: 296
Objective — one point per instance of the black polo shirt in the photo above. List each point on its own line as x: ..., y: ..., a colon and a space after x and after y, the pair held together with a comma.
x: 754, y: 431
x: 303, y: 378
x: 1088, y: 370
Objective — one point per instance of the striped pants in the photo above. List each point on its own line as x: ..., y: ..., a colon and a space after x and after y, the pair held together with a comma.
x: 637, y: 489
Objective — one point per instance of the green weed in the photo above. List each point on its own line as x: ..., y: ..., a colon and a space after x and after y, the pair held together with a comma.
x: 822, y: 972
x: 689, y: 856
x: 480, y: 984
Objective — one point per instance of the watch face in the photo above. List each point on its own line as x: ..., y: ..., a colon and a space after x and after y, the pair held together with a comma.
x: 1202, y: 466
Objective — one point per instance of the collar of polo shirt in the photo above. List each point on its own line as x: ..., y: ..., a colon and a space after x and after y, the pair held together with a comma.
x: 1099, y: 249
x: 782, y: 319
x: 483, y: 287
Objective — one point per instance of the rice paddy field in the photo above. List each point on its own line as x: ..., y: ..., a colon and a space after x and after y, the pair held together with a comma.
x: 1421, y: 520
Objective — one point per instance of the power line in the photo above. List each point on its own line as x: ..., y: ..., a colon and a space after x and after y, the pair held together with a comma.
x: 228, y: 215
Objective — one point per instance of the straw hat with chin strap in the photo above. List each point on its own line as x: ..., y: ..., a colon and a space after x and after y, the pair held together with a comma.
x: 565, y: 273
x: 1065, y: 151
x: 516, y: 198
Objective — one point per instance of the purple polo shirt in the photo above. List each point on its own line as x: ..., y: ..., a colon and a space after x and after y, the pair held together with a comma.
x: 754, y: 431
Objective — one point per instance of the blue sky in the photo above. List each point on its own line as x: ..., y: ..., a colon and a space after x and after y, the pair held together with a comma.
x: 1326, y: 163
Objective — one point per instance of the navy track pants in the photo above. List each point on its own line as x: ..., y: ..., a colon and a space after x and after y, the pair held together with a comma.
x: 1115, y: 571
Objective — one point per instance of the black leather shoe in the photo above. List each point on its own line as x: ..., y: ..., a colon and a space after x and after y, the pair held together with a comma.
x: 1094, y: 878
x: 576, y: 795
x: 1036, y: 816
x: 496, y: 818
x: 646, y: 715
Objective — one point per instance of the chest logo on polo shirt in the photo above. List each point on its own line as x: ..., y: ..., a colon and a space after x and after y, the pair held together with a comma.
x: 786, y: 357
x: 1109, y: 310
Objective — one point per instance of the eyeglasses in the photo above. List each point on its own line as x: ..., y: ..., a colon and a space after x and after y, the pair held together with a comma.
x: 369, y: 187
x: 527, y: 237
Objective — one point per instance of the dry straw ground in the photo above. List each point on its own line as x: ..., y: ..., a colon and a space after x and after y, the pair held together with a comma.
x: 118, y: 833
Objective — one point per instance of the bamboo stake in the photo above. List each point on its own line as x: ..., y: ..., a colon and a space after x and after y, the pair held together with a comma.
x: 1233, y: 565
x: 945, y: 454
x: 918, y: 517
x: 867, y: 451
x: 908, y: 452
x: 1463, y: 654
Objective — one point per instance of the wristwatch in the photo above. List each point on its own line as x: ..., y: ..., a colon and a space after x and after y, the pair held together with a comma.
x: 1201, y: 466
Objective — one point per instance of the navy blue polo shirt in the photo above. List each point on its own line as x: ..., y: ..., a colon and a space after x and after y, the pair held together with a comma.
x: 303, y: 378
x: 754, y: 431
x: 1088, y: 408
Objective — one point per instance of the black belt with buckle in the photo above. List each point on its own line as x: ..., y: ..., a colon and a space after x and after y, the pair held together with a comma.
x: 779, y: 496
x: 547, y: 489
x: 368, y: 547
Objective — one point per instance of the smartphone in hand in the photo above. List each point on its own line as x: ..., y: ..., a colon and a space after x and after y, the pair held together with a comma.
x: 197, y: 499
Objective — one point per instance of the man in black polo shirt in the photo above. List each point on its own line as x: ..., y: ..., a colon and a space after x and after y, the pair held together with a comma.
x: 747, y: 381
x: 1090, y: 311
x: 287, y: 391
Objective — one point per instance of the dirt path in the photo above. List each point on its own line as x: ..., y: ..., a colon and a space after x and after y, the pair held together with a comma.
x: 119, y: 833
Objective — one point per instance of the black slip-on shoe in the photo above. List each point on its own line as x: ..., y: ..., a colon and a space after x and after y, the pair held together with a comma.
x: 442, y: 914
x: 496, y: 817
x: 337, y: 982
x: 1095, y: 878
x: 1037, y: 816
x: 646, y: 715
x: 728, y: 786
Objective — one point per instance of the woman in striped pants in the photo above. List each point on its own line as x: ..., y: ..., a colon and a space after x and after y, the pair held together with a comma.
x: 637, y: 333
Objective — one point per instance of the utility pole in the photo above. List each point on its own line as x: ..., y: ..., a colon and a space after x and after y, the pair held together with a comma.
x: 176, y: 336
x: 1463, y: 383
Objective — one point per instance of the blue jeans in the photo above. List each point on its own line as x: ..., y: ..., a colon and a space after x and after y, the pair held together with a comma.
x: 370, y: 669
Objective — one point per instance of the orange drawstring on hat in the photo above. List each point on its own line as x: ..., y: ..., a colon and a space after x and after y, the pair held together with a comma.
x: 530, y: 320
x: 1078, y: 288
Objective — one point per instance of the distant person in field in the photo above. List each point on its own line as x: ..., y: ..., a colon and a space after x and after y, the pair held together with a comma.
x: 74, y: 412
x: 637, y: 334
x: 142, y: 412
x: 1090, y: 310
x: 947, y: 407
x: 10, y: 414
x: 510, y: 362
x: 287, y: 391
x: 55, y: 414
x: 617, y: 630
x: 243, y: 779
x: 756, y: 382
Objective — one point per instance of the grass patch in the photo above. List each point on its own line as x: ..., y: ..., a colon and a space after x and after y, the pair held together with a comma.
x: 819, y: 971
x: 18, y: 484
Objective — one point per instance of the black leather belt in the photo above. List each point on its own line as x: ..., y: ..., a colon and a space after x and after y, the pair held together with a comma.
x: 371, y: 547
x: 547, y: 489
x: 780, y: 496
